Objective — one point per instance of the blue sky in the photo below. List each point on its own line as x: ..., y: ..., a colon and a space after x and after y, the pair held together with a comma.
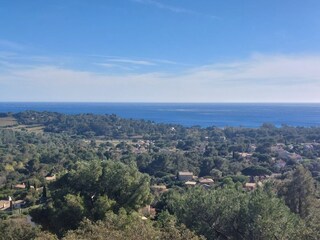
x: 160, y: 50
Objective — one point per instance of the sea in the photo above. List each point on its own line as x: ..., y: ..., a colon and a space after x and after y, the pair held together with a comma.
x: 250, y: 115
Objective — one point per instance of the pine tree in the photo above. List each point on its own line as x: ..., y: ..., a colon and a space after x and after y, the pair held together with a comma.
x: 44, y: 192
x: 300, y: 194
x: 28, y: 185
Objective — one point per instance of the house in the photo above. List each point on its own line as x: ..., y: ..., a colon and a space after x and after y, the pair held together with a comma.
x: 252, y: 148
x: 18, y: 203
x: 250, y: 186
x: 20, y: 186
x: 207, y: 181
x: 285, y: 155
x: 148, y: 211
x: 245, y: 154
x: 280, y: 164
x: 5, y: 204
x: 296, y: 157
x: 190, y: 183
x: 50, y: 178
x: 276, y: 175
x: 159, y: 189
x: 185, y: 176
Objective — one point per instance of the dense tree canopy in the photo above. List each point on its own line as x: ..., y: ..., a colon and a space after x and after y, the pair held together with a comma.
x: 232, y: 214
x: 105, y: 171
x: 90, y: 190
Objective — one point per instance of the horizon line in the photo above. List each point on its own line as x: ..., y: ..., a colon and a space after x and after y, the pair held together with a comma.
x: 143, y: 102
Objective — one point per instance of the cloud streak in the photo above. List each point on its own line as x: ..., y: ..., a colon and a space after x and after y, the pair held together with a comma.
x: 264, y: 70
x: 11, y: 45
x: 260, y: 78
x: 112, y: 65
x: 173, y: 8
x: 131, y: 61
x: 144, y: 61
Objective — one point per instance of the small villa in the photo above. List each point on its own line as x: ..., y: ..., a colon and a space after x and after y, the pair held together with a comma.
x: 50, y: 178
x: 20, y: 186
x: 5, y: 204
x: 148, y: 211
x: 190, y: 183
x: 185, y: 176
x: 159, y: 189
x: 245, y: 154
x: 252, y: 186
x: 207, y: 181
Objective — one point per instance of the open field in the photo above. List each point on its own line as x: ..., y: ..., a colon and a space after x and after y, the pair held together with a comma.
x: 35, y: 129
x: 27, y: 128
x: 8, y: 121
x: 11, y: 123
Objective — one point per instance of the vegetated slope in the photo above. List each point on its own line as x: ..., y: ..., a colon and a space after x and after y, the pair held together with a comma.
x: 106, y: 168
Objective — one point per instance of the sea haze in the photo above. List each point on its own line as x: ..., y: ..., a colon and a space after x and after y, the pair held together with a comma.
x: 190, y: 114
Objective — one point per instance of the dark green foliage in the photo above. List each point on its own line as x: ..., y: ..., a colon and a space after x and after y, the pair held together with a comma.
x: 16, y: 229
x: 91, y: 189
x: 44, y: 192
x: 256, y: 171
x: 88, y: 188
x: 131, y: 227
x: 231, y: 214
x: 301, y: 197
x: 239, y: 178
x: 89, y: 125
x: 300, y: 192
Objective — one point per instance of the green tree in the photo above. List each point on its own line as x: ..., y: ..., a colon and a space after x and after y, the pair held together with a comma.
x: 101, y: 206
x: 91, y: 189
x: 129, y: 226
x: 68, y: 213
x: 17, y: 229
x: 256, y: 171
x: 115, y: 227
x: 300, y: 192
x: 264, y: 216
x: 124, y: 184
x: 44, y: 192
x: 216, y: 174
x: 229, y: 213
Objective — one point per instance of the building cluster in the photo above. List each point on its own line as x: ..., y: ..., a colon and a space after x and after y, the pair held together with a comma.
x: 190, y: 180
x: 9, y: 204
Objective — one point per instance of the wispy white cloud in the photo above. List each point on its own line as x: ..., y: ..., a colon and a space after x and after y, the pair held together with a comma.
x: 131, y: 61
x: 14, y: 57
x: 137, y: 61
x: 107, y: 65
x: 266, y: 69
x: 174, y: 9
x: 164, y: 6
x: 113, y: 63
x: 260, y: 78
x: 114, y: 66
x: 11, y: 45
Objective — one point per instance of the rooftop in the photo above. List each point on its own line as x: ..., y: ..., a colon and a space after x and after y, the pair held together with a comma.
x: 206, y: 180
x: 185, y: 174
x: 191, y: 183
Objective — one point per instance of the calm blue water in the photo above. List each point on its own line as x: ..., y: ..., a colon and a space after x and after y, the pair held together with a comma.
x: 204, y: 115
